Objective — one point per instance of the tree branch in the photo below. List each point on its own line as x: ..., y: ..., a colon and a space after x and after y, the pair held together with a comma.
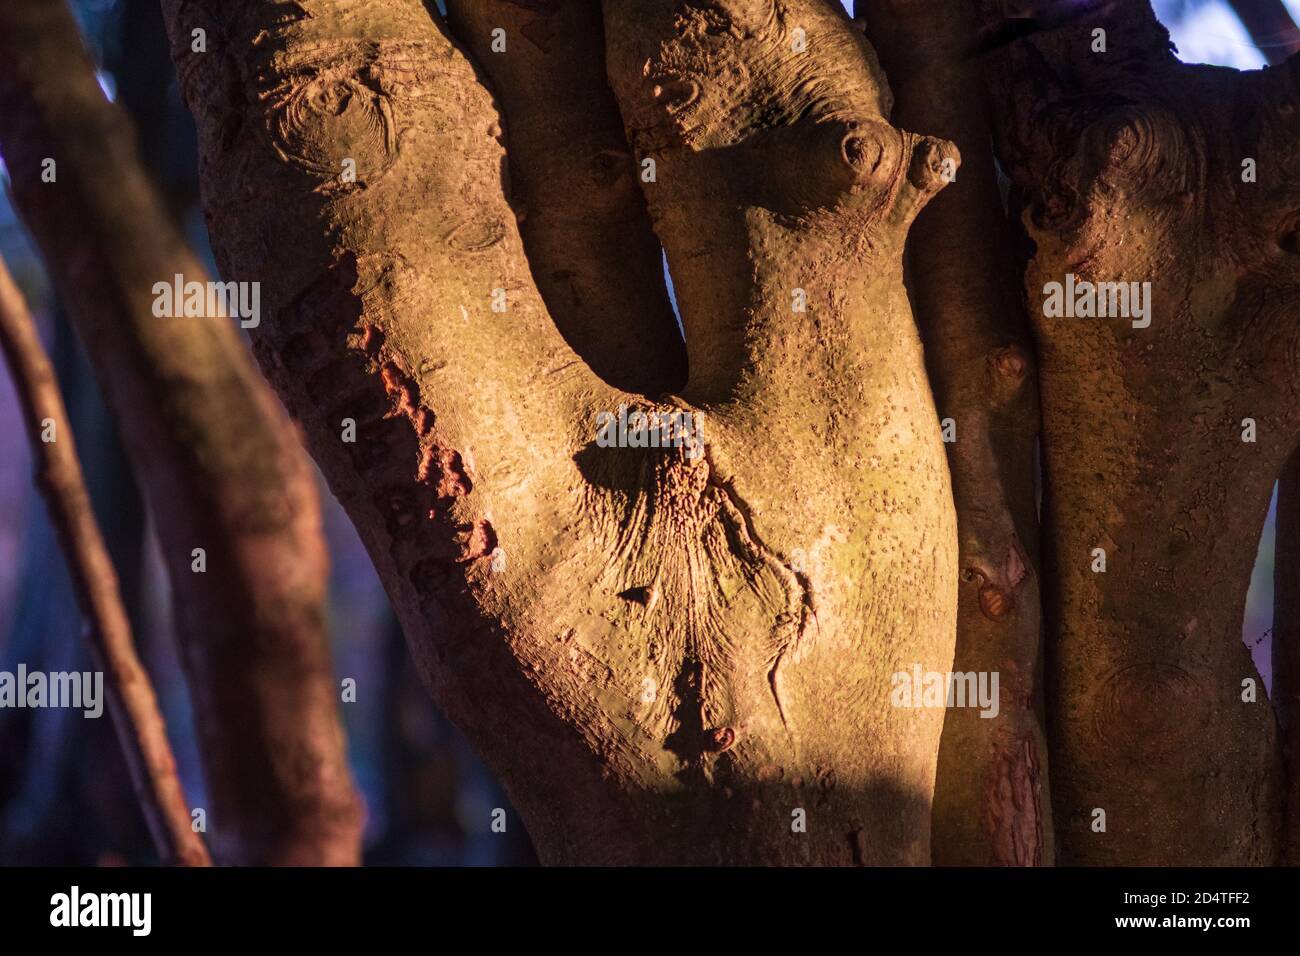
x: 218, y: 461
x: 402, y: 300
x: 1271, y: 27
x: 783, y: 199
x: 132, y: 703
x: 992, y: 801
x: 575, y: 187
x: 1166, y: 419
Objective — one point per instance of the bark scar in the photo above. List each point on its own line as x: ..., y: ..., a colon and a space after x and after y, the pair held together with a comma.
x: 800, y: 600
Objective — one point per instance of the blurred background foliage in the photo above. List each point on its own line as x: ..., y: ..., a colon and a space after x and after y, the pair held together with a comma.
x: 64, y: 794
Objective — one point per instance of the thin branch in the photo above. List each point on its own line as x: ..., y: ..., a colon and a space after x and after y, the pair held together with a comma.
x: 217, y: 460
x: 134, y: 708
x: 1270, y: 26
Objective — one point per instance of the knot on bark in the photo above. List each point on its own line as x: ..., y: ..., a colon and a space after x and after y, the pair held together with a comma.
x: 720, y: 739
x: 998, y: 582
x: 1009, y: 363
x: 744, y: 15
x: 934, y: 164
x: 1139, y: 153
x: 1141, y: 146
x: 995, y: 602
x: 821, y: 164
x: 708, y: 74
x: 857, y: 162
x: 1151, y: 710
x: 331, y: 113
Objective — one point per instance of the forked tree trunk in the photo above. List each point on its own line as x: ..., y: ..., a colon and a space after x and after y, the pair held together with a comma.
x: 665, y: 656
x: 689, y: 658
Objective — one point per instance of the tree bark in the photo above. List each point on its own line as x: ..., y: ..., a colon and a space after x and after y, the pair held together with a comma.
x: 218, y: 460
x: 131, y: 701
x: 992, y: 804
x: 665, y: 656
x: 1133, y: 168
x: 575, y: 188
x: 1274, y: 32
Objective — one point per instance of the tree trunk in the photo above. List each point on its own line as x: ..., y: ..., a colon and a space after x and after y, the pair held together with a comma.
x: 1274, y: 32
x: 676, y: 654
x: 1161, y: 441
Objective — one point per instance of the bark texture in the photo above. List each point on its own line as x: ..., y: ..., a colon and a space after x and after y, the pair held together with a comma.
x: 992, y: 804
x: 1131, y: 166
x: 1272, y: 29
x: 218, y: 460
x: 575, y: 187
x: 663, y: 656
x: 131, y: 700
